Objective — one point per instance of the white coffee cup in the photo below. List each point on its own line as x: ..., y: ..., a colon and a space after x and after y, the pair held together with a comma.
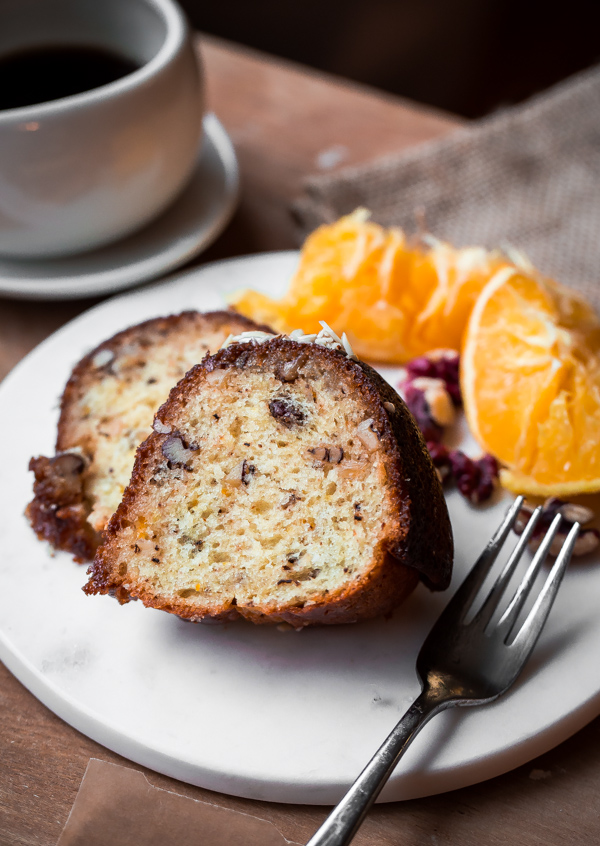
x: 88, y: 169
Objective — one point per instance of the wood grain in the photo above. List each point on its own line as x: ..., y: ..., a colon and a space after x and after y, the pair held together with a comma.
x: 282, y: 119
x: 285, y: 120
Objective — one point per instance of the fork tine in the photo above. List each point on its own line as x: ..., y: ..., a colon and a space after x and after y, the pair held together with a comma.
x: 462, y: 600
x: 490, y: 604
x: 531, y: 628
x: 507, y: 621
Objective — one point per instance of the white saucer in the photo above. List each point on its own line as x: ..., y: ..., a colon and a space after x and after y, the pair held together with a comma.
x: 193, y: 222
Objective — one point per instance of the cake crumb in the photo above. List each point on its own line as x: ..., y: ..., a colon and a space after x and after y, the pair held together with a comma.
x: 540, y: 775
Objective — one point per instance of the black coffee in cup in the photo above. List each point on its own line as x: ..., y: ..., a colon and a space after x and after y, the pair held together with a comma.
x: 49, y: 72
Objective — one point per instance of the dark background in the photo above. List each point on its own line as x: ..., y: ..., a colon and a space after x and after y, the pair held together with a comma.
x: 469, y: 57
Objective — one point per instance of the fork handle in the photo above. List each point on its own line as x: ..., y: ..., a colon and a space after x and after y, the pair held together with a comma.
x: 342, y: 824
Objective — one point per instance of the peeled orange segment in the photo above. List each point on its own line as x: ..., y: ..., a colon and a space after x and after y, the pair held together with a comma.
x: 394, y: 299
x: 530, y: 379
x: 253, y: 302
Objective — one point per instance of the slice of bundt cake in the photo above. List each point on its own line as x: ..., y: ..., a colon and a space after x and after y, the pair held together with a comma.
x: 106, y: 411
x: 284, y: 481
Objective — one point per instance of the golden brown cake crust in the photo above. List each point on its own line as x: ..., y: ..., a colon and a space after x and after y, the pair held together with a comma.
x: 416, y: 543
x: 60, y: 509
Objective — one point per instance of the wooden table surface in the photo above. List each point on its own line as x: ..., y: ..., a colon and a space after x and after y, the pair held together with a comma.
x: 286, y: 123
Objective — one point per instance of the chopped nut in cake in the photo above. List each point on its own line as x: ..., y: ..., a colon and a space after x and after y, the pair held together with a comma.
x: 106, y: 411
x: 311, y: 500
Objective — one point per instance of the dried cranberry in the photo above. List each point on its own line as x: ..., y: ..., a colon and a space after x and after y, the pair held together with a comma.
x: 443, y: 365
x: 421, y: 366
x: 466, y: 473
x: 419, y: 408
x: 475, y: 478
x: 484, y: 489
x: 490, y: 472
x: 441, y: 459
x: 489, y: 465
x: 287, y: 412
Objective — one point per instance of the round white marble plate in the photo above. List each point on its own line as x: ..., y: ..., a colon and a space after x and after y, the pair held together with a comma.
x: 186, y: 228
x: 243, y: 709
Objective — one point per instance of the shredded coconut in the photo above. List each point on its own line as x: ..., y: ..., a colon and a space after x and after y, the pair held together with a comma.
x: 325, y: 338
x: 253, y: 336
x: 102, y: 358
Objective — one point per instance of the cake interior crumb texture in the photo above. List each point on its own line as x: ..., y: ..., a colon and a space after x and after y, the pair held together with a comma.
x: 110, y: 408
x: 275, y: 497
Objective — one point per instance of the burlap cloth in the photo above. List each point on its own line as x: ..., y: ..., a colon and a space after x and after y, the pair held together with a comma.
x: 529, y: 177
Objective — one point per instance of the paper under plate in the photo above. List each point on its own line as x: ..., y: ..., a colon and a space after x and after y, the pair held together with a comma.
x: 243, y: 709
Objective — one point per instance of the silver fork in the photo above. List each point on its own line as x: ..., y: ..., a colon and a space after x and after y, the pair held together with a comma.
x: 462, y: 662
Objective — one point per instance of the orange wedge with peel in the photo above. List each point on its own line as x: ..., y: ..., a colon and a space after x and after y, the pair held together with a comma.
x: 394, y: 298
x: 530, y: 380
